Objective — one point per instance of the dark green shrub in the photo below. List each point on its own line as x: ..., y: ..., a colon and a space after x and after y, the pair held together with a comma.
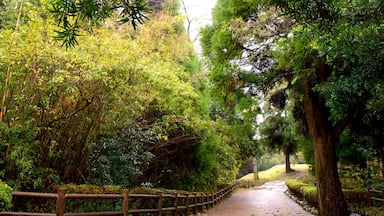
x: 5, y: 197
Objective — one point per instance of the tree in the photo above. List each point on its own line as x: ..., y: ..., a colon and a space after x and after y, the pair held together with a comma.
x: 321, y: 54
x: 341, y: 91
x: 278, y: 130
x: 277, y: 134
x: 71, y: 16
x: 69, y: 109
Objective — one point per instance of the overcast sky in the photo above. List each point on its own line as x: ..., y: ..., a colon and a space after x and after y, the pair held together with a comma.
x: 199, y: 11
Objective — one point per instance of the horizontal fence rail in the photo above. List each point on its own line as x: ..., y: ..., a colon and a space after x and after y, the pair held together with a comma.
x: 182, y: 204
x: 372, y: 194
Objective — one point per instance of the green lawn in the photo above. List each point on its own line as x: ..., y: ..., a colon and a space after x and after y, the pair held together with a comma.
x: 276, y: 172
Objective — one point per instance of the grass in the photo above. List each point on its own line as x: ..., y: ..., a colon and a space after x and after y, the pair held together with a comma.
x: 276, y: 172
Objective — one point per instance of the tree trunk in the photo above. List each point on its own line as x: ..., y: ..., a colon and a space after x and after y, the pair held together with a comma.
x: 382, y: 161
x: 255, y: 169
x: 330, y: 197
x: 287, y: 162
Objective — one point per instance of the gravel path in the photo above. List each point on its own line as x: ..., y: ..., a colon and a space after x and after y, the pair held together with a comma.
x: 267, y: 200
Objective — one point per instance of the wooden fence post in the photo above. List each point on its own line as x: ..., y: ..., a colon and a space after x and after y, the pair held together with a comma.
x: 175, y: 204
x: 195, y: 207
x: 125, y: 202
x: 160, y: 203
x: 215, y: 198
x: 186, y: 205
x: 202, y: 199
x: 60, y: 202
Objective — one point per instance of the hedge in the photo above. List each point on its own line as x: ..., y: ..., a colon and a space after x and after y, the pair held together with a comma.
x: 309, y: 193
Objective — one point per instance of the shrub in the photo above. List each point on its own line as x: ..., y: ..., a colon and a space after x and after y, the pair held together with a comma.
x: 91, y: 205
x: 92, y: 189
x: 5, y: 197
x: 294, y: 186
x: 310, y: 194
x: 359, y: 195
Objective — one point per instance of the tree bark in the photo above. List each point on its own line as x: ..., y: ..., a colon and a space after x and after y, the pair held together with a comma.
x: 330, y: 197
x: 382, y: 161
x: 287, y: 162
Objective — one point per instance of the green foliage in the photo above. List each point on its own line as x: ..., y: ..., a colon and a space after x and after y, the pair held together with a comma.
x: 330, y: 56
x: 72, y: 16
x: 309, y: 193
x: 208, y: 169
x: 225, y: 10
x: 124, y: 106
x: 18, y: 162
x: 91, y: 205
x: 92, y: 189
x: 8, y: 14
x: 351, y: 152
x: 124, y: 157
x: 319, y: 13
x: 295, y: 186
x: 5, y: 197
x: 306, y: 146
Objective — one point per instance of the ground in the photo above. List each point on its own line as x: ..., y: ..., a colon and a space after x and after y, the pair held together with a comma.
x: 268, y: 199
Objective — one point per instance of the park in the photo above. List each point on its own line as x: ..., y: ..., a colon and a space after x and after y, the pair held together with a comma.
x: 107, y: 106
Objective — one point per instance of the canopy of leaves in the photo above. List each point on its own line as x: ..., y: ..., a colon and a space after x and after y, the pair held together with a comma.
x: 277, y: 42
x: 122, y: 97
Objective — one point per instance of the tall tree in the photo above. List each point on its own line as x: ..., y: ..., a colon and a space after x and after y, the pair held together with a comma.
x: 322, y: 56
x: 276, y: 133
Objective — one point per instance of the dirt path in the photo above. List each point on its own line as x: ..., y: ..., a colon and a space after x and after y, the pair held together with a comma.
x: 267, y: 200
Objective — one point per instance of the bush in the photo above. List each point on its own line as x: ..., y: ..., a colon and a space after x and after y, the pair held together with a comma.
x: 92, y: 189
x: 294, y: 186
x: 5, y: 197
x: 359, y: 195
x: 310, y: 194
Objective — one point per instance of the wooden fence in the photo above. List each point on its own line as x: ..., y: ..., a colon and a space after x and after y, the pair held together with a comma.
x: 372, y: 194
x: 183, y: 204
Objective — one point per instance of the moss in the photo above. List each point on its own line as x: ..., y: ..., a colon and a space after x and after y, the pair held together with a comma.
x: 310, y: 194
x: 294, y: 186
x: 294, y: 183
x: 309, y: 189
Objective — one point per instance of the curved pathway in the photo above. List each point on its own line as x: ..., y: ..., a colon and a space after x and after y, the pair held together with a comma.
x: 268, y: 199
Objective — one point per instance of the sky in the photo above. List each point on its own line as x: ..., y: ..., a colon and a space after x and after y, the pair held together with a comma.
x: 199, y: 11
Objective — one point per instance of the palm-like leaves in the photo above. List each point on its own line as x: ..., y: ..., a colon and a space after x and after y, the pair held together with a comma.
x: 72, y: 15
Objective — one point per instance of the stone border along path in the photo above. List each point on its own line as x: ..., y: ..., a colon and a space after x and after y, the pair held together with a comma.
x: 268, y: 199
